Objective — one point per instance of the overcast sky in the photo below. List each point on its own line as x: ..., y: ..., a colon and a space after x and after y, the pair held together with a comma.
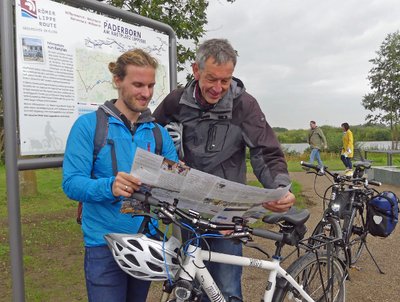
x: 305, y: 59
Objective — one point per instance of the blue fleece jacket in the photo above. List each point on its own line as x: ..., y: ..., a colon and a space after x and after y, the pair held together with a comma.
x: 101, y: 214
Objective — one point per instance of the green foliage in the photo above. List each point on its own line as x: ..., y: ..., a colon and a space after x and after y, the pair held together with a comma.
x: 186, y: 17
x: 334, y: 135
x: 384, y: 78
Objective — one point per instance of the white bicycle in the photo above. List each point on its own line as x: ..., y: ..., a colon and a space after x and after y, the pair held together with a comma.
x: 316, y: 275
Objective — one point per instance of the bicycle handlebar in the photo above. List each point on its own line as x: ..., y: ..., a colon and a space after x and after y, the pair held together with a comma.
x: 240, y: 228
x: 341, y: 178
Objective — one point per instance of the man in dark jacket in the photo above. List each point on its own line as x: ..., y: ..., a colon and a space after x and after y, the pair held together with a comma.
x: 220, y: 119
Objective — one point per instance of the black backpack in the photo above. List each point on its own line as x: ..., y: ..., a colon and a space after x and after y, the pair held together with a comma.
x: 382, y: 214
x: 100, y: 140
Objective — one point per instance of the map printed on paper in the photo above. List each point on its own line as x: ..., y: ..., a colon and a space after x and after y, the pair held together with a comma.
x: 219, y: 198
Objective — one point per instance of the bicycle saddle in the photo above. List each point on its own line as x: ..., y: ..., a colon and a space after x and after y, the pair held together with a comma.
x: 294, y: 216
x: 362, y: 164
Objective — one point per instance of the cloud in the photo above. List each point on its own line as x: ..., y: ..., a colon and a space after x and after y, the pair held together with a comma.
x: 305, y: 60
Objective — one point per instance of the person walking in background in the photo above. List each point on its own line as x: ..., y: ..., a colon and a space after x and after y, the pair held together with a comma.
x: 347, y: 150
x: 220, y: 119
x: 317, y: 142
x: 102, y: 183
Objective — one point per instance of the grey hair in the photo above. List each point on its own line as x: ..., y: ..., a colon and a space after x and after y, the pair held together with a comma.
x: 219, y: 49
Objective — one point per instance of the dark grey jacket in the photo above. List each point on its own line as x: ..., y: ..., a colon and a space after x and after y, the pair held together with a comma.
x: 215, y: 140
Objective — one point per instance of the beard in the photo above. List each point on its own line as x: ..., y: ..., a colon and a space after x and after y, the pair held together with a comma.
x: 131, y: 105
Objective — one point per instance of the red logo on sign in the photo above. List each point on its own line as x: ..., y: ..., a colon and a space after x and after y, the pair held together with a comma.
x: 28, y: 8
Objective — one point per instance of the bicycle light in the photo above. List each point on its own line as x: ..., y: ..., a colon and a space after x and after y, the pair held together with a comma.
x: 335, y: 207
x: 183, y: 290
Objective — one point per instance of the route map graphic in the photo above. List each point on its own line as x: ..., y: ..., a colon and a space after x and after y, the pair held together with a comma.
x: 94, y: 80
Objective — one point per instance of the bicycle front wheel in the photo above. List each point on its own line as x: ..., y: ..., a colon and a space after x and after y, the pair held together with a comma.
x: 328, y: 228
x: 321, y: 276
x: 355, y: 234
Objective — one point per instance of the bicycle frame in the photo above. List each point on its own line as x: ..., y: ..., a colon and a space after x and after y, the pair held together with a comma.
x: 193, y: 276
x: 193, y: 267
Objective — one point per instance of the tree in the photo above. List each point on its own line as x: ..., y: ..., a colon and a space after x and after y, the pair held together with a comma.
x: 186, y: 17
x: 384, y: 77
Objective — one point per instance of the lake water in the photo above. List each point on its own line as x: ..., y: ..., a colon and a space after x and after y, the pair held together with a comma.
x: 299, y: 148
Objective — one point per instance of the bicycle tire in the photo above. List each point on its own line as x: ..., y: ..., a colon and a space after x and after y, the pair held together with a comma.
x: 308, y: 271
x: 329, y: 227
x: 355, y: 234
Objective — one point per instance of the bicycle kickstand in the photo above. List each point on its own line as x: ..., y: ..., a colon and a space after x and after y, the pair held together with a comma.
x: 372, y: 257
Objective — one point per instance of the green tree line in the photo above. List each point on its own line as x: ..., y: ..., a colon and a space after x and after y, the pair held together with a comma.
x: 334, y: 135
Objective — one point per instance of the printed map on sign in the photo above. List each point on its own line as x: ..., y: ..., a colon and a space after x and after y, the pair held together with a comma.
x: 94, y: 80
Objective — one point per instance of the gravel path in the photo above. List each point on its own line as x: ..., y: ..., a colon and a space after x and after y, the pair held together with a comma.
x: 366, y: 283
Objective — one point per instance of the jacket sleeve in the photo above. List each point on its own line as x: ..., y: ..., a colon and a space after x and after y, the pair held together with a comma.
x: 168, y: 149
x: 323, y: 137
x: 78, y: 162
x: 266, y: 157
x: 168, y: 110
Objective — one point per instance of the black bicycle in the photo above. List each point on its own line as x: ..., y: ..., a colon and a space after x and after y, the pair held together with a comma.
x: 344, y: 205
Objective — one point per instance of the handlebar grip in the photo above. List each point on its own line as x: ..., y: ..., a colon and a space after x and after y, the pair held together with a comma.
x: 146, y: 198
x: 308, y: 165
x: 374, y: 183
x: 268, y: 234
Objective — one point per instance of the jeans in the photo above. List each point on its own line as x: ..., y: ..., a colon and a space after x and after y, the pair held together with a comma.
x: 105, y: 281
x: 227, y: 277
x: 346, y: 161
x: 315, y: 153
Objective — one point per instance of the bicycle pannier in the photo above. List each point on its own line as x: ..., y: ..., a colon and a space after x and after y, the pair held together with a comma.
x: 382, y: 214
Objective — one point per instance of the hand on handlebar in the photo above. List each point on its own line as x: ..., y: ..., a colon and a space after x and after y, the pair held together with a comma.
x: 281, y: 205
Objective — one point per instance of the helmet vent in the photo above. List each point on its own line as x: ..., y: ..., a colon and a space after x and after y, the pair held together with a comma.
x: 154, y: 267
x: 132, y: 259
x: 118, y: 246
x: 155, y: 254
x: 135, y: 244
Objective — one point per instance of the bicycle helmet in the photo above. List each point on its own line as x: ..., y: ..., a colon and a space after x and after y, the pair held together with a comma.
x: 144, y: 258
x: 175, y: 130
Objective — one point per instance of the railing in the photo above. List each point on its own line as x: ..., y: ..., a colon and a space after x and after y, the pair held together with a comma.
x: 389, y: 155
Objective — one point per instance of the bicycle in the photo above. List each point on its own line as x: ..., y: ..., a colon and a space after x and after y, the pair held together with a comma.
x: 344, y: 213
x: 316, y: 275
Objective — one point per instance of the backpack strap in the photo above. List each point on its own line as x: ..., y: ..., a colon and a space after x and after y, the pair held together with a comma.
x: 99, y: 141
x: 158, y: 139
x: 100, y: 138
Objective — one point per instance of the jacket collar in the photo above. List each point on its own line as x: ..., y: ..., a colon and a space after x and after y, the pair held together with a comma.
x: 224, y: 105
x: 109, y: 108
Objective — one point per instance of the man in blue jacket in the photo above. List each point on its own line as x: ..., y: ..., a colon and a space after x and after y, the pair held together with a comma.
x: 103, y: 181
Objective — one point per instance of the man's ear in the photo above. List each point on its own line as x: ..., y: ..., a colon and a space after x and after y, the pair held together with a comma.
x: 116, y: 81
x: 196, y: 71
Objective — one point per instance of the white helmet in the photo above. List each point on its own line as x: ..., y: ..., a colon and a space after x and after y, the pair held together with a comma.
x: 145, y: 258
x: 175, y: 130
